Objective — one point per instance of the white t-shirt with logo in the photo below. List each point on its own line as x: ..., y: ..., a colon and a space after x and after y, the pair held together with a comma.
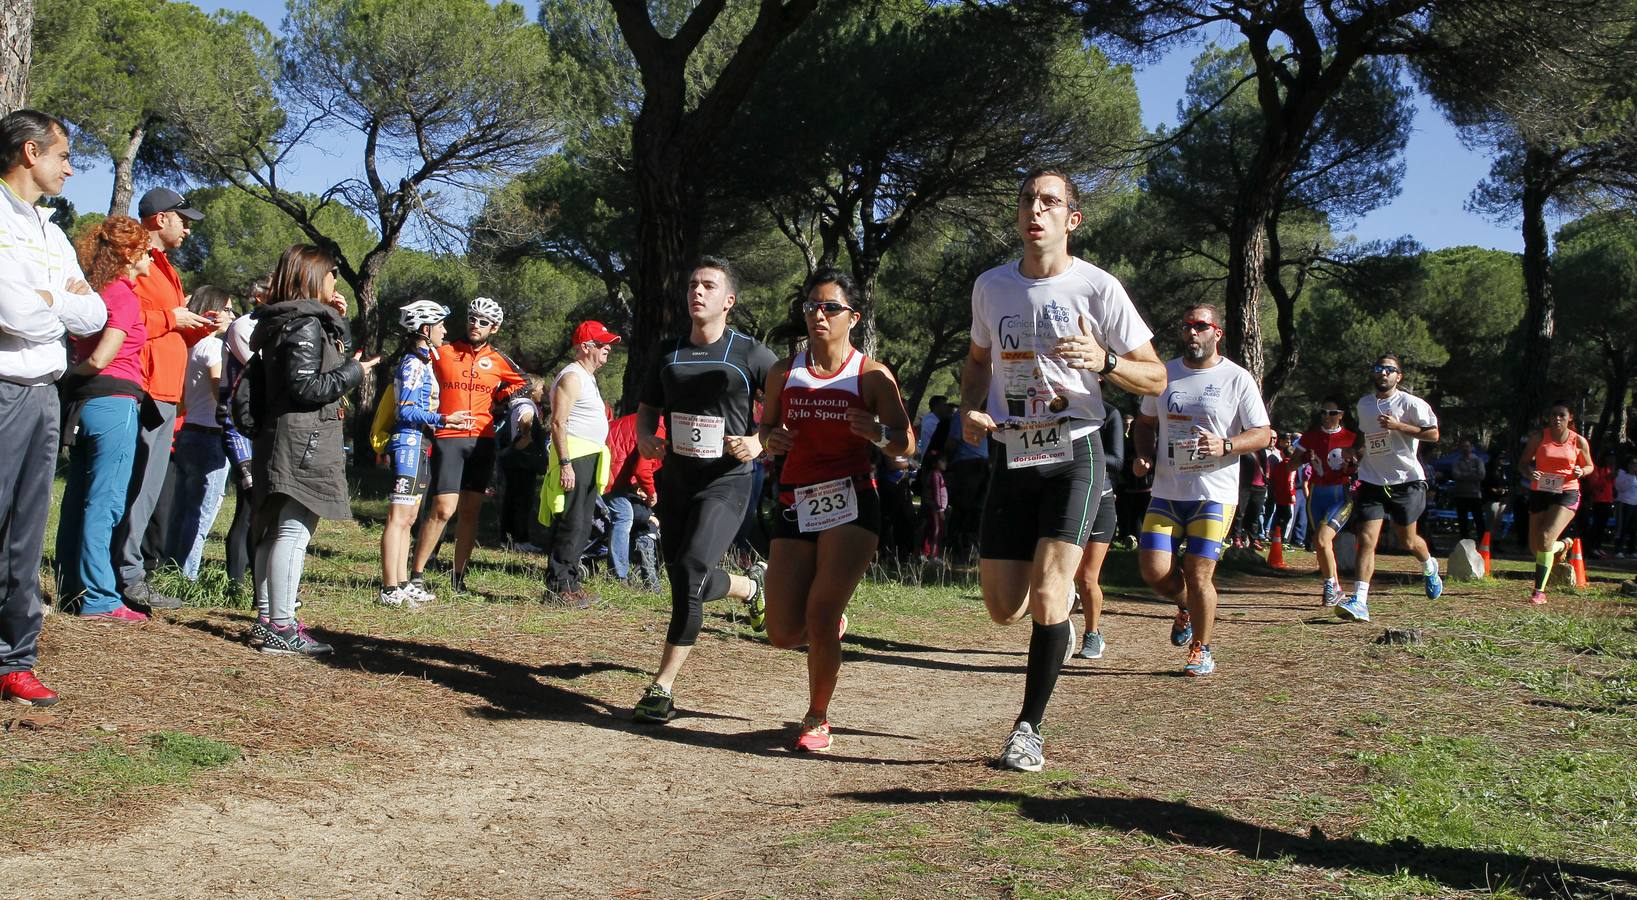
x: 1019, y: 320
x: 1223, y: 400
x: 198, y: 393
x: 1389, y: 457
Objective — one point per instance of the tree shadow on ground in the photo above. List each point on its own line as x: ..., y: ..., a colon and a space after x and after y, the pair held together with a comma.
x: 1461, y: 869
x: 512, y: 690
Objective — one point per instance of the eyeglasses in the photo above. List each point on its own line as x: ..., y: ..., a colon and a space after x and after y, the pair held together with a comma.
x: 1048, y: 202
x: 829, y: 307
x: 1331, y: 412
x: 1197, y: 327
x: 1385, y: 370
x: 480, y: 321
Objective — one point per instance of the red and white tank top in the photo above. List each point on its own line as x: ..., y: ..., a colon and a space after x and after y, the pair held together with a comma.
x: 1555, y: 462
x: 815, y: 408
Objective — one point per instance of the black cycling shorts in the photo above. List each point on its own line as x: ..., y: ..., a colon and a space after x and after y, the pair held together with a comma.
x: 1059, y: 501
x: 786, y: 523
x: 1403, y: 504
x: 1105, y: 523
x: 462, y: 464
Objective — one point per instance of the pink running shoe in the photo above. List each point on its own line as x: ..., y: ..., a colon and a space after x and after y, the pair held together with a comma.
x: 842, y: 632
x: 120, y: 613
x: 815, y: 736
x: 1538, y: 598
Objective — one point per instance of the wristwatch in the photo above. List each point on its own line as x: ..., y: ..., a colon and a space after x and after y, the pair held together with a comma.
x: 1109, y: 362
x: 885, y: 438
x: 1227, y: 446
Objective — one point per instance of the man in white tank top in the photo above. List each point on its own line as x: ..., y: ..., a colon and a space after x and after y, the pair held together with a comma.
x: 579, y: 438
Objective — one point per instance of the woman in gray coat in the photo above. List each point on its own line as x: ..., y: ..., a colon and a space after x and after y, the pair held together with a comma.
x: 299, y: 469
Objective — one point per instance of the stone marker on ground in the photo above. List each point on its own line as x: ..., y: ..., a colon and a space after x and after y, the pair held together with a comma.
x: 1464, y: 562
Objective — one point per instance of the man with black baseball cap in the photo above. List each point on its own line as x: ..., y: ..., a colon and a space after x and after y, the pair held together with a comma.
x: 172, y: 330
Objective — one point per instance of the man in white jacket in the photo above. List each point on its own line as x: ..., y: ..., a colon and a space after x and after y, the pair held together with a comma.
x: 43, y: 296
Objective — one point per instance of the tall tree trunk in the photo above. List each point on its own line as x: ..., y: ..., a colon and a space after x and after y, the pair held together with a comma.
x: 1284, y: 302
x: 1247, y: 253
x: 16, y: 45
x: 119, y: 204
x: 667, y: 242
x: 866, y: 270
x: 1616, y: 382
x: 1532, y: 378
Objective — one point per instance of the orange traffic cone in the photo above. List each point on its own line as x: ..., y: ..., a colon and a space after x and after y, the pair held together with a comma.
x: 1577, y: 559
x: 1276, y: 553
x: 1483, y: 553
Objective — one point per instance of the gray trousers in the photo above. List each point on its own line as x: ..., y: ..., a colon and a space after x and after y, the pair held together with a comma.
x: 153, y: 460
x: 28, y: 457
x: 282, y: 527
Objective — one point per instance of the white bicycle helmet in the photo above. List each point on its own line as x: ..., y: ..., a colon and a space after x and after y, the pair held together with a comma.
x: 422, y: 312
x: 488, y: 309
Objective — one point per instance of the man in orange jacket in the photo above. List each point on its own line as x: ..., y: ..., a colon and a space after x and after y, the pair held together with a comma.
x: 472, y: 376
x: 172, y: 329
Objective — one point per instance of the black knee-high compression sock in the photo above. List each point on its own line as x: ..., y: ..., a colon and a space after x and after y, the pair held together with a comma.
x: 1048, y: 644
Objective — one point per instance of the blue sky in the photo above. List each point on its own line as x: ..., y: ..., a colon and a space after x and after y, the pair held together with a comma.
x: 1440, y: 173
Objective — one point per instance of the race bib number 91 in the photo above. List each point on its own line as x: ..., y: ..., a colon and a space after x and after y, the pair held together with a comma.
x: 700, y: 437
x: 1037, y: 442
x: 1549, y: 482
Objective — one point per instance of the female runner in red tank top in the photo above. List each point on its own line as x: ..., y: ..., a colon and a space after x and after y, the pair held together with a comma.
x: 1554, y: 460
x: 824, y: 408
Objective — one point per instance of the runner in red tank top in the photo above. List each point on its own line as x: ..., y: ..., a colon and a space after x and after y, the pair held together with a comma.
x: 824, y: 408
x: 1554, y: 460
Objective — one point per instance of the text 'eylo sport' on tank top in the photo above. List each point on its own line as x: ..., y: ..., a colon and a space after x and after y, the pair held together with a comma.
x: 815, y: 408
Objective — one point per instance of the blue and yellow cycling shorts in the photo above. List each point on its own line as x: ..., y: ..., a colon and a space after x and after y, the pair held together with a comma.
x: 408, y: 450
x: 1203, y: 523
x: 1330, y: 504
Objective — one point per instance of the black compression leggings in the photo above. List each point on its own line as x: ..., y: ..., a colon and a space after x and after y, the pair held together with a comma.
x: 696, y: 527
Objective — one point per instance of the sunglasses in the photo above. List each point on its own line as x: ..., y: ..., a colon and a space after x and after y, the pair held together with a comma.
x: 1330, y: 412
x: 1385, y: 370
x: 1198, y: 327
x: 480, y: 321
x: 828, y: 307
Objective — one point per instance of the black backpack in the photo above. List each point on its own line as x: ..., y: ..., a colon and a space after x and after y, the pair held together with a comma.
x: 247, y: 398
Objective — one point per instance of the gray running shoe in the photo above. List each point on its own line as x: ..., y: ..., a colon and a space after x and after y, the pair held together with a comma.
x: 1092, y: 646
x: 656, y: 706
x: 1025, y: 750
x: 143, y: 597
x: 293, y: 640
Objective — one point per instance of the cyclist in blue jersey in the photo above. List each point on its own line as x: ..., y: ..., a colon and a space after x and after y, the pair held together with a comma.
x: 411, y: 445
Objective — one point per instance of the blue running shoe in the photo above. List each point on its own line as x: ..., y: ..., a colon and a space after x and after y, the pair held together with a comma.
x: 1332, y: 594
x: 1353, y: 609
x: 1182, y: 629
x: 1200, y: 662
x: 1434, y: 585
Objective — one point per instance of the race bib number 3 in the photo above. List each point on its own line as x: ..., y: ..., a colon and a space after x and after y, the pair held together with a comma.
x: 700, y: 437
x: 1035, y: 442
x: 1377, y: 443
x: 826, y: 505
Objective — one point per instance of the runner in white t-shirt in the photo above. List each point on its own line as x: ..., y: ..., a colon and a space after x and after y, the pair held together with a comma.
x: 1043, y: 329
x: 1192, y: 436
x: 1392, y: 483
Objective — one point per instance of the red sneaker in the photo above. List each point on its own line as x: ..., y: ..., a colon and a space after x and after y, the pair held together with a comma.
x: 120, y: 613
x: 815, y: 736
x: 23, y: 687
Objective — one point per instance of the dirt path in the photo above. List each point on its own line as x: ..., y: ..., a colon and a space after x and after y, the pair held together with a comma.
x: 551, y: 790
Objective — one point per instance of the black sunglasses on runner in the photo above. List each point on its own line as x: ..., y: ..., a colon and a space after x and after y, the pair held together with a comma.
x: 1197, y: 326
x: 1385, y: 370
x: 829, y: 307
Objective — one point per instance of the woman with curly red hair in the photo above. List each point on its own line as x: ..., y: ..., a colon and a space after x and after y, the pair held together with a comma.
x: 103, y: 390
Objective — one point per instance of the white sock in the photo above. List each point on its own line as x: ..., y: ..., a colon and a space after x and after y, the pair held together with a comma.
x: 1430, y: 566
x: 1334, y: 582
x: 1361, y: 591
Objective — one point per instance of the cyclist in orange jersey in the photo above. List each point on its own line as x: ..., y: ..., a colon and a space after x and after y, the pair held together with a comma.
x: 472, y: 375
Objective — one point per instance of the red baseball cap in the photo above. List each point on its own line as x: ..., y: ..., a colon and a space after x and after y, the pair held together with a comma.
x: 592, y: 330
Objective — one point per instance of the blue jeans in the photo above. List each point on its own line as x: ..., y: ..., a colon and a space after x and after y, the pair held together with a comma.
x: 201, y: 479
x: 619, y: 532
x: 1298, y: 521
x: 99, y: 475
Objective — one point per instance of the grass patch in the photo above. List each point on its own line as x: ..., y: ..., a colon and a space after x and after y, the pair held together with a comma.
x: 1469, y: 792
x: 108, y: 771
